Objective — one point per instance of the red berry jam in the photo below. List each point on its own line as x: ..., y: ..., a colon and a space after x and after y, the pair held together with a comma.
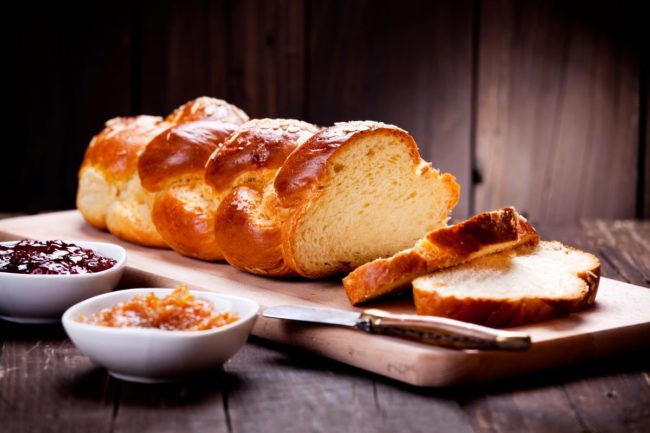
x: 51, y: 257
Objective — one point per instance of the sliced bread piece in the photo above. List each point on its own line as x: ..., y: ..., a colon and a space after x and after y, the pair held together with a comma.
x: 483, y: 234
x: 528, y: 284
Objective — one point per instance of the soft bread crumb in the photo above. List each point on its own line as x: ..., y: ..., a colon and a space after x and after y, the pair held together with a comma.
x: 129, y: 215
x: 527, y: 284
x: 94, y: 197
x: 376, y: 203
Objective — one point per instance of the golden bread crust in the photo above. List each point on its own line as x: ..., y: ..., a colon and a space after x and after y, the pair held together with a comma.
x: 186, y: 226
x: 107, y: 170
x: 470, y: 236
x: 206, y: 108
x: 481, y: 234
x: 493, y: 313
x: 255, y: 151
x: 110, y: 194
x: 182, y: 150
x: 173, y: 166
x: 250, y: 241
x: 115, y: 150
x: 248, y: 235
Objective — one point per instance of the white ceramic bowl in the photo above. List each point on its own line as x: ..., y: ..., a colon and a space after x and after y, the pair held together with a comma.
x: 29, y: 298
x: 155, y: 355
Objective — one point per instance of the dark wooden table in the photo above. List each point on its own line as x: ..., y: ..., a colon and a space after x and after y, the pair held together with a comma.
x: 47, y: 385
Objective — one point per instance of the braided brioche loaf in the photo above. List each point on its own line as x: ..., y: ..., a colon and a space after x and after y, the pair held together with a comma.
x: 272, y: 196
x: 107, y: 175
x: 186, y: 195
x: 240, y: 172
x: 172, y: 167
x: 351, y: 193
x: 281, y: 197
x: 110, y: 194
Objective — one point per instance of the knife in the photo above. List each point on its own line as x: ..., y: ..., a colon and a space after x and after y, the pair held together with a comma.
x: 438, y: 331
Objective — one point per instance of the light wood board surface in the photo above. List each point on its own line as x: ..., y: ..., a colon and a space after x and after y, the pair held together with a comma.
x: 619, y: 322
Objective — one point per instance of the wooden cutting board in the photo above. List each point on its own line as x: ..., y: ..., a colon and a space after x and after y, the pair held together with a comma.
x: 619, y: 322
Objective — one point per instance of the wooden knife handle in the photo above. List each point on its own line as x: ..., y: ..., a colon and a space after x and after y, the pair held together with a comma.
x: 440, y: 331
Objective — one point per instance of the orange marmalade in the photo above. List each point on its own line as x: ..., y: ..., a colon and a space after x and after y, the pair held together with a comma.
x: 178, y: 311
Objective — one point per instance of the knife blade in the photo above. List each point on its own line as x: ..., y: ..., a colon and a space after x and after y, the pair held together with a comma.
x: 438, y: 331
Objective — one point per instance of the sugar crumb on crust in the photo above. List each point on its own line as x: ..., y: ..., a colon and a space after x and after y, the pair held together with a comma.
x: 257, y: 144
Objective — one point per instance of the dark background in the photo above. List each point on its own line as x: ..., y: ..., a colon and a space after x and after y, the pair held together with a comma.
x: 538, y: 104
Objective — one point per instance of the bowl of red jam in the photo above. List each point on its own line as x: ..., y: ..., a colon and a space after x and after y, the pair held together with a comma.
x: 39, y: 280
x: 162, y: 334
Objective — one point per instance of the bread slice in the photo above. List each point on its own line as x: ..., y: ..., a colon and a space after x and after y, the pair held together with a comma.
x: 513, y: 287
x: 358, y: 191
x: 483, y: 234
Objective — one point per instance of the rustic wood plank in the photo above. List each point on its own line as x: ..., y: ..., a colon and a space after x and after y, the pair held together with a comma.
x: 297, y: 391
x: 625, y: 245
x: 70, y: 71
x: 219, y: 34
x: 557, y: 108
x: 179, y: 59
x: 402, y: 408
x: 596, y: 396
x: 267, y: 49
x: 194, y: 406
x: 515, y: 408
x: 577, y: 237
x: 248, y: 52
x: 613, y: 403
x: 411, y: 66
x: 644, y: 135
x: 46, y: 385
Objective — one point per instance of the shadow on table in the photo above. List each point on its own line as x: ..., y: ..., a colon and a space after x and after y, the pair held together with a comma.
x: 95, y: 383
x: 624, y: 363
x: 11, y: 331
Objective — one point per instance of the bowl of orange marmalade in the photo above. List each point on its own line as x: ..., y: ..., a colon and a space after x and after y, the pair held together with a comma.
x: 160, y: 335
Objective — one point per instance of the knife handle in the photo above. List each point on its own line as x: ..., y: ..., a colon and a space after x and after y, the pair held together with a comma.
x: 440, y: 331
